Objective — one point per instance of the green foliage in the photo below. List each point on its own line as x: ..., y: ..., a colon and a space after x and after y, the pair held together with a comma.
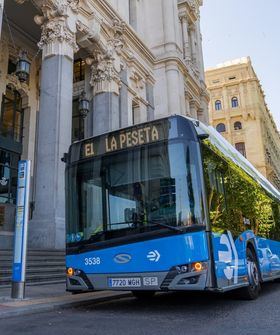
x: 236, y: 201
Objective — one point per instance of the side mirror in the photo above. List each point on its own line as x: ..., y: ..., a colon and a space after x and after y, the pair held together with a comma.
x: 203, y: 136
x: 64, y: 158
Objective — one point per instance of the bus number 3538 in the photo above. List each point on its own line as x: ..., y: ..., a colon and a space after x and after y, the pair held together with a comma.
x: 92, y: 261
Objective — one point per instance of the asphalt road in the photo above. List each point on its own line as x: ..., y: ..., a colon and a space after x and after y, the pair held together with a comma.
x: 171, y: 313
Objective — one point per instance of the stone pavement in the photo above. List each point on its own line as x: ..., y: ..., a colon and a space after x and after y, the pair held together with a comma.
x: 42, y: 298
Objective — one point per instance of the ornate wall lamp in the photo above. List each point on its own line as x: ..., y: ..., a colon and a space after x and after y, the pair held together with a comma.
x: 83, y: 105
x: 23, y: 67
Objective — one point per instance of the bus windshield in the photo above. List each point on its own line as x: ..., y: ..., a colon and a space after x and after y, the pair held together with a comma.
x: 146, y: 189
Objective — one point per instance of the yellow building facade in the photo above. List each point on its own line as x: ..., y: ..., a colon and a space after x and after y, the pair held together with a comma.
x: 239, y: 112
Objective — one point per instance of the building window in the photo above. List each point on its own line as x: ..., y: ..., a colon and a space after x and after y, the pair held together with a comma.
x: 12, y: 66
x: 241, y: 148
x: 237, y: 125
x: 11, y: 118
x: 218, y: 105
x: 221, y: 128
x: 79, y: 70
x: 8, y: 176
x: 234, y: 102
x: 135, y: 113
x: 78, y: 132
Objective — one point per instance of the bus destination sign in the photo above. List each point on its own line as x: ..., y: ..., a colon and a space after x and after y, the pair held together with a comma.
x: 124, y: 139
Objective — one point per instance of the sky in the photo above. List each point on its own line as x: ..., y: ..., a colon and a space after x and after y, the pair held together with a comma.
x: 237, y: 28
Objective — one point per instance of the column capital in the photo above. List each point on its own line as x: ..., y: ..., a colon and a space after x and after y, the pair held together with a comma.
x: 106, y: 62
x: 58, y: 24
x: 104, y: 75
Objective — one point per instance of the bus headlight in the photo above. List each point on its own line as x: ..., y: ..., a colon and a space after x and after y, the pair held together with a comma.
x: 198, y: 266
x: 70, y: 272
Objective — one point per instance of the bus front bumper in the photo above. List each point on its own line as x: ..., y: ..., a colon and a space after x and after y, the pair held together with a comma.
x: 178, y: 278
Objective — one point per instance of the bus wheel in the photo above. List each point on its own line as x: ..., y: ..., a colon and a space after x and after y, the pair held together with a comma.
x: 252, y: 291
x: 143, y: 295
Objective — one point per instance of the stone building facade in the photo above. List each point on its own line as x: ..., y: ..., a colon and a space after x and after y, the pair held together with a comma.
x: 239, y: 112
x: 135, y: 60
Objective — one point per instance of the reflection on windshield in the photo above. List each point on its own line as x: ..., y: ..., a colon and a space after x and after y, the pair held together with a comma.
x: 131, y: 192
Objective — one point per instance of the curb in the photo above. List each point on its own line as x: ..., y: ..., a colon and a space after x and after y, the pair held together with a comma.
x: 51, y: 306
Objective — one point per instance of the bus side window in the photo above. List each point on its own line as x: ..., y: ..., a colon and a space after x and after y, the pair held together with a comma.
x: 214, y: 169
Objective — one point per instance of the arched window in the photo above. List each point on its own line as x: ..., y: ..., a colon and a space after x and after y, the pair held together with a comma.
x: 218, y: 105
x: 241, y: 148
x: 234, y: 102
x: 221, y: 128
x: 237, y: 125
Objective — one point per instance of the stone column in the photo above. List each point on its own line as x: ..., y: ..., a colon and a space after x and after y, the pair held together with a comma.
x: 193, y: 46
x: 106, y: 68
x: 186, y: 42
x: 133, y: 14
x: 58, y: 44
x: 169, y: 24
x: 193, y: 110
x: 199, y: 50
x: 173, y: 88
x: 106, y: 83
x: 123, y: 100
x: 151, y: 103
x: 1, y: 15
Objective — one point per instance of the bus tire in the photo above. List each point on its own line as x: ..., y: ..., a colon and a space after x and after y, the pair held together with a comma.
x: 143, y: 295
x: 252, y: 291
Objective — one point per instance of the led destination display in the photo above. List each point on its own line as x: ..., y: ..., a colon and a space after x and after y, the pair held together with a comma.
x: 125, y: 139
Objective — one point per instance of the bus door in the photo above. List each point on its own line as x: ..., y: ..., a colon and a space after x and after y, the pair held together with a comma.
x: 226, y: 259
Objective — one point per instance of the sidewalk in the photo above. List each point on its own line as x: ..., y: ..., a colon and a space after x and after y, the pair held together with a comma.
x: 42, y: 298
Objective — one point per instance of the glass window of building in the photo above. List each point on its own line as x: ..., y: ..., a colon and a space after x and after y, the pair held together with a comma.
x: 11, y: 118
x: 12, y: 66
x: 135, y: 113
x: 79, y: 70
x: 234, y: 102
x: 221, y: 128
x: 8, y: 176
x: 218, y: 105
x: 237, y: 125
x: 241, y: 148
x: 77, y: 122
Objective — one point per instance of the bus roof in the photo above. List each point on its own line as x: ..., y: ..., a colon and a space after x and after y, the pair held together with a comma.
x: 235, y: 156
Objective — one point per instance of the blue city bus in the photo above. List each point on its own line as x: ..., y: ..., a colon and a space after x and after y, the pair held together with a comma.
x: 168, y: 205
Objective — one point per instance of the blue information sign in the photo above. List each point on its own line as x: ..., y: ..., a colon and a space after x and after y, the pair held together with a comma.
x: 21, y: 221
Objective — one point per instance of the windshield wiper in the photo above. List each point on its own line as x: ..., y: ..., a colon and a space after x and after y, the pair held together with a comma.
x: 158, y: 223
x: 101, y: 234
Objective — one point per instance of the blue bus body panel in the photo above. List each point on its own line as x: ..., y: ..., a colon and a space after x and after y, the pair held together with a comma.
x: 162, y: 254
x: 230, y: 258
x: 159, y: 254
x: 269, y: 257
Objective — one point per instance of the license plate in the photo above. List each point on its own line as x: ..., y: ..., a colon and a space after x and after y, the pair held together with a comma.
x: 125, y: 282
